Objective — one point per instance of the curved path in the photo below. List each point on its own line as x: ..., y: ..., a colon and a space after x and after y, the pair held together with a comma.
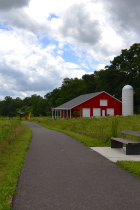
x: 60, y: 173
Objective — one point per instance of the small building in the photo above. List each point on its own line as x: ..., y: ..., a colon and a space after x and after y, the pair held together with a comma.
x: 14, y: 114
x: 89, y: 105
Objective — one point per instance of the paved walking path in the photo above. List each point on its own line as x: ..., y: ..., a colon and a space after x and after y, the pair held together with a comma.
x: 60, y: 173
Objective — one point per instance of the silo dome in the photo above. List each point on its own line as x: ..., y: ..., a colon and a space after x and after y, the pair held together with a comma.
x: 127, y: 87
x: 127, y: 100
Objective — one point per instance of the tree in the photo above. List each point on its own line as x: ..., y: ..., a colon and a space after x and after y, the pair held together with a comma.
x: 16, y: 103
x: 128, y: 62
x: 25, y: 109
x: 128, y: 65
x: 27, y: 101
x: 111, y: 81
x: 72, y: 88
x: 42, y: 107
x: 52, y: 97
x: 6, y: 105
x: 90, y: 83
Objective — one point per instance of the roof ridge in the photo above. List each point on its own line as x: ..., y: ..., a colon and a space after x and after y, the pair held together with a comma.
x: 91, y: 93
x: 78, y: 100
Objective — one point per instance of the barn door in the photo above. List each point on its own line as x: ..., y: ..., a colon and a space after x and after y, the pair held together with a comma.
x: 96, y: 112
x: 103, y: 113
x: 110, y: 111
x: 86, y: 112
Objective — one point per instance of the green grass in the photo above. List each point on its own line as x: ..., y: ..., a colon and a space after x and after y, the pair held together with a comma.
x: 12, y: 158
x: 87, y: 141
x: 131, y: 166
x: 95, y: 132
x: 8, y: 129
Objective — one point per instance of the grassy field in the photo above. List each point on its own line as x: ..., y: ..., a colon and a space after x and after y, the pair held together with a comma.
x: 97, y: 132
x: 15, y: 138
x: 14, y: 143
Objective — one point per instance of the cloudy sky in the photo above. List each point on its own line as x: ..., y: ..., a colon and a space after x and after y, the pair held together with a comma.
x: 44, y: 41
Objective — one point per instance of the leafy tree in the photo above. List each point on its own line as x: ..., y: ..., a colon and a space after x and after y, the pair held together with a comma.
x: 90, y: 83
x: 52, y: 97
x: 42, y: 107
x: 128, y: 66
x: 27, y: 101
x: 128, y: 62
x: 72, y: 88
x: 111, y: 81
x: 25, y: 109
x: 6, y: 106
x: 16, y: 103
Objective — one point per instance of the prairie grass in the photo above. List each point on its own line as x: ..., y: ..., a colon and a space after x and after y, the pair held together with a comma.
x: 7, y: 141
x: 9, y: 130
x: 98, y: 130
x: 15, y: 139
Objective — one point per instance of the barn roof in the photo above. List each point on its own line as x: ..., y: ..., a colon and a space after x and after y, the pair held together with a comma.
x: 77, y: 101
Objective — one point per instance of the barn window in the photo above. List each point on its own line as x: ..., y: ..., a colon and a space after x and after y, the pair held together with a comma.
x: 110, y: 112
x: 103, y: 102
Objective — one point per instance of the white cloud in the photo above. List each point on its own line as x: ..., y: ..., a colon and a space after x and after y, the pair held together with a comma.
x: 98, y: 67
x: 70, y: 65
x: 95, y: 31
x: 26, y: 67
x: 84, y: 65
x: 60, y: 52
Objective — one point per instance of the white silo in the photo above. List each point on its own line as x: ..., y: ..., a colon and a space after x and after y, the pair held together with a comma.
x: 127, y: 100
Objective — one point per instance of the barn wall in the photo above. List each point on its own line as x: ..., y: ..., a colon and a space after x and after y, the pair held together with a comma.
x: 95, y: 103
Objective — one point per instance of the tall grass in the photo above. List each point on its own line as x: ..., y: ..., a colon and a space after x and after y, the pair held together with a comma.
x: 114, y: 126
x: 99, y: 129
x: 9, y: 129
x: 14, y: 143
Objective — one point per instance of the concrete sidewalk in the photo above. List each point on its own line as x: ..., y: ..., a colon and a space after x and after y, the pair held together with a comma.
x: 114, y: 154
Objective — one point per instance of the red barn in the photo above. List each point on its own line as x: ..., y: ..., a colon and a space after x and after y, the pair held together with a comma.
x: 90, y: 105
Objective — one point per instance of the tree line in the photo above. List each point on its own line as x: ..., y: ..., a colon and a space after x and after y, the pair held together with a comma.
x: 123, y: 70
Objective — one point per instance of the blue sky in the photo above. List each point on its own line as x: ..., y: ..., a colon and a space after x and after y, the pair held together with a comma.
x: 51, y: 15
x: 43, y: 42
x: 68, y: 53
